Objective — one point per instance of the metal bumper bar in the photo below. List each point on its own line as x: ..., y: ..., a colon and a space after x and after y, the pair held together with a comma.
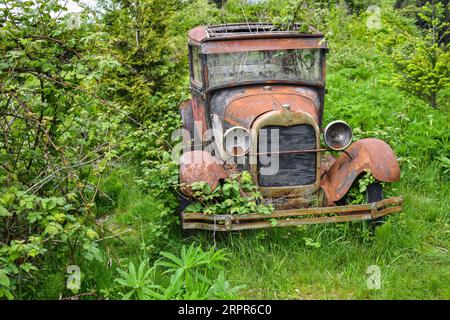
x: 295, y: 217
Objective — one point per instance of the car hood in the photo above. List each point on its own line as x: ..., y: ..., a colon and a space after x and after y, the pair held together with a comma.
x: 241, y: 106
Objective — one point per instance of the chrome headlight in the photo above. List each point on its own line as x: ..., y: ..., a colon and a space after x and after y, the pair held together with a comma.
x: 338, y: 135
x: 237, y: 141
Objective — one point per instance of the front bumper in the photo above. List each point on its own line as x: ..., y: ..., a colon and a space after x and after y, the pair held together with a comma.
x: 295, y: 217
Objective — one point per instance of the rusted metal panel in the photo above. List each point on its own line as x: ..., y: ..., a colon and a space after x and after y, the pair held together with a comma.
x: 241, y: 106
x: 198, y: 111
x: 296, y: 217
x: 250, y: 30
x: 198, y: 166
x: 283, y: 223
x: 187, y: 119
x: 295, y: 201
x: 242, y: 45
x: 298, y: 212
x: 198, y: 34
x: 367, y: 154
x: 326, y: 161
x: 257, y: 101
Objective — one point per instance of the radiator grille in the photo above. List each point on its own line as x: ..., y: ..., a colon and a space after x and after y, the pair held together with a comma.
x: 295, y: 169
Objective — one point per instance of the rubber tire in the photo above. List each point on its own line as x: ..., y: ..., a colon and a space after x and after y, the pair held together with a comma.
x: 184, y: 202
x: 374, y: 193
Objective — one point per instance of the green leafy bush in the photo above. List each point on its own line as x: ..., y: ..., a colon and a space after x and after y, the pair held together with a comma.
x: 423, y: 64
x: 237, y: 195
x: 33, y: 226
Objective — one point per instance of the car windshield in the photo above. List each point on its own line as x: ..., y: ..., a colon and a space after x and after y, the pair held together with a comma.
x: 288, y: 65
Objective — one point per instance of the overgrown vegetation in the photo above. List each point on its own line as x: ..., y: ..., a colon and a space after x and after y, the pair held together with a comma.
x: 189, y: 277
x: 87, y: 110
x: 422, y: 62
x: 358, y: 192
x: 237, y: 195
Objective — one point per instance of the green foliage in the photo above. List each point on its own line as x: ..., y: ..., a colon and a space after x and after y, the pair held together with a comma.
x: 148, y: 39
x: 311, y: 243
x: 190, y: 277
x: 237, y: 195
x: 305, y: 13
x: 357, y: 193
x: 423, y: 64
x: 53, y: 135
x: 445, y: 164
x: 31, y: 226
x: 5, y: 285
x: 138, y: 214
x: 138, y: 282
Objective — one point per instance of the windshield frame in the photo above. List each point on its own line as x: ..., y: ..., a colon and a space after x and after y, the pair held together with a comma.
x: 316, y: 83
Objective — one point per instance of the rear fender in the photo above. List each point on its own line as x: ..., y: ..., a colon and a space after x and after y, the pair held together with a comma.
x: 372, y: 155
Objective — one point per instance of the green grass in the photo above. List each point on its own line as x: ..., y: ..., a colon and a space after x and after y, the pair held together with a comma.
x: 411, y: 249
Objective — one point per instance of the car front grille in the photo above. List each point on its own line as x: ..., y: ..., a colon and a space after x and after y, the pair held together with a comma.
x: 295, y: 169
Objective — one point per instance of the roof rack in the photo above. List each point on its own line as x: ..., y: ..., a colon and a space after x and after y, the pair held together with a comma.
x: 225, y: 30
x: 251, y: 30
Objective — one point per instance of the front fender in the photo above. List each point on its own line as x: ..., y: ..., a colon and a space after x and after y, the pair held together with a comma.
x: 372, y: 155
x: 200, y: 166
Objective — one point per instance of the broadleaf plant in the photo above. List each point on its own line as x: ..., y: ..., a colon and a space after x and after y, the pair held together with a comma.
x: 237, y: 195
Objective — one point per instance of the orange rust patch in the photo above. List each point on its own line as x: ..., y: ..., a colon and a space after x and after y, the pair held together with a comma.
x: 256, y: 101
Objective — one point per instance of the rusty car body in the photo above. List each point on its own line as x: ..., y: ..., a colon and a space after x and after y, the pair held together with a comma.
x: 254, y: 80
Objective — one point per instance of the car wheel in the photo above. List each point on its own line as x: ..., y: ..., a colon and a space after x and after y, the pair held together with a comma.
x: 374, y: 193
x: 184, y: 202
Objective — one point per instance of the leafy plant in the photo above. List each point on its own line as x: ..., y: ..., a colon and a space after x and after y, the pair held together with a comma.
x: 237, y: 195
x: 193, y: 263
x: 5, y: 283
x: 138, y: 282
x: 445, y: 164
x: 51, y: 226
x: 221, y: 289
x: 311, y: 243
x: 357, y: 192
x: 190, y: 277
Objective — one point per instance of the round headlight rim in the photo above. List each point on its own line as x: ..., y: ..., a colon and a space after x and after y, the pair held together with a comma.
x: 329, y: 125
x: 225, y: 145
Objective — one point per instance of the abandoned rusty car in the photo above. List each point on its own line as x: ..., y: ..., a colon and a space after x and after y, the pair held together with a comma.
x: 261, y: 91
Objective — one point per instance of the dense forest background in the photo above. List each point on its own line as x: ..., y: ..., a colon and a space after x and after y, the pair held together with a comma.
x: 88, y: 104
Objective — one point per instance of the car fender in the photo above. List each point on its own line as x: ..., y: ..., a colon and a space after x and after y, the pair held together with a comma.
x: 372, y: 155
x: 200, y: 166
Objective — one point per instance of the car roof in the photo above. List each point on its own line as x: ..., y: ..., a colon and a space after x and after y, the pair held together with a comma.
x: 251, y: 30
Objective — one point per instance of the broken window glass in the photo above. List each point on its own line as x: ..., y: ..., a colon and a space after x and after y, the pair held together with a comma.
x: 289, y: 65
